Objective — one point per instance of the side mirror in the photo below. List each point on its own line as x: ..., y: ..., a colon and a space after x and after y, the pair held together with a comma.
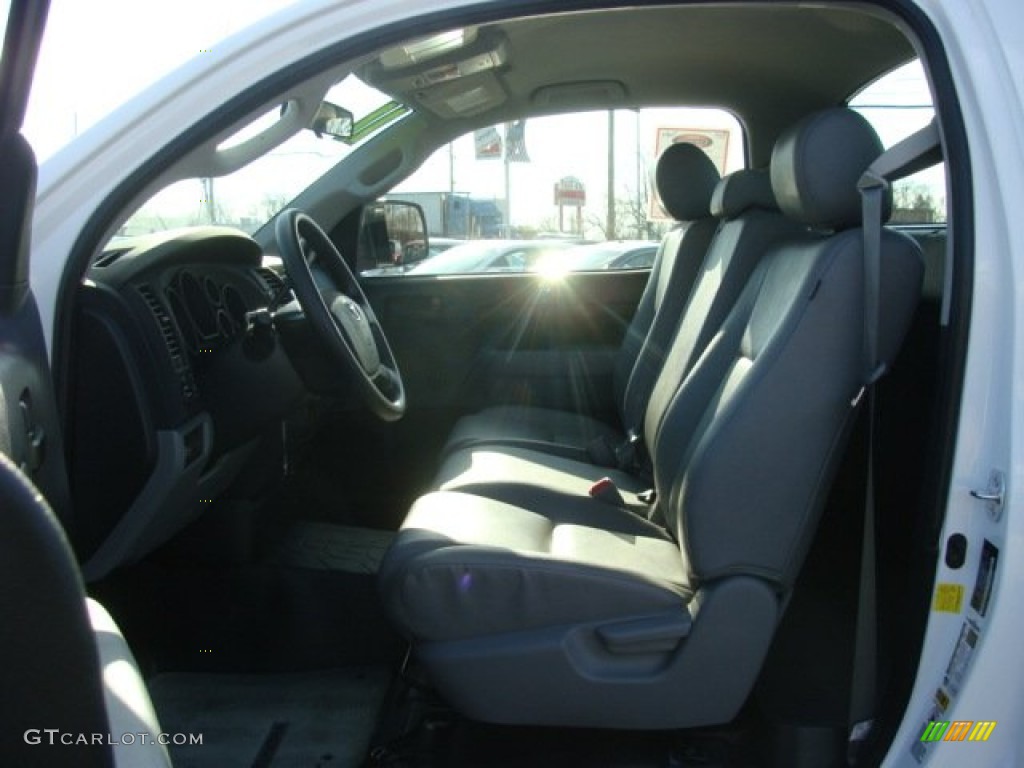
x: 334, y: 121
x: 392, y: 237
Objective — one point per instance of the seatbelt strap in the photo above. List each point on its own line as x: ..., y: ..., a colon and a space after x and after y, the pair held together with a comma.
x: 919, y: 150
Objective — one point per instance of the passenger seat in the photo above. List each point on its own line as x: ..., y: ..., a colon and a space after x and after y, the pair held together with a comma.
x: 569, y: 611
x: 686, y: 180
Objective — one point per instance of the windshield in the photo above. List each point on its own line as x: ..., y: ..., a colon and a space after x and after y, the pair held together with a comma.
x: 254, y: 194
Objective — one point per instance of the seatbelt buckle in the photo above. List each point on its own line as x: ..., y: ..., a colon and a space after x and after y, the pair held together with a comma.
x: 625, y: 452
x: 606, y: 491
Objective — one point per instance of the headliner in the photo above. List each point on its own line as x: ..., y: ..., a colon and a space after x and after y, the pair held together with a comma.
x: 768, y: 64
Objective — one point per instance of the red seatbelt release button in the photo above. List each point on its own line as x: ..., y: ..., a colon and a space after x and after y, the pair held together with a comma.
x: 605, y: 490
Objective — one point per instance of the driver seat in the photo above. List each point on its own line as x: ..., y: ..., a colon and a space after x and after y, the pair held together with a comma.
x: 687, y: 180
x: 540, y: 606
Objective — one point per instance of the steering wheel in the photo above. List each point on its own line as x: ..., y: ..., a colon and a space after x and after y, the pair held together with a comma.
x: 339, y: 312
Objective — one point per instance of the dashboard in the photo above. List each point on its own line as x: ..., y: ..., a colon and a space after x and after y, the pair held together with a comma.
x: 174, y: 385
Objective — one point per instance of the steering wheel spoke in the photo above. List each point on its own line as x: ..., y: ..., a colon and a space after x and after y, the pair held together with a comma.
x: 339, y: 312
x: 388, y: 379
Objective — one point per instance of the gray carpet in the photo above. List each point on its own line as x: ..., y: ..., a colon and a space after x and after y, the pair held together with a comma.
x: 333, y: 547
x: 320, y: 719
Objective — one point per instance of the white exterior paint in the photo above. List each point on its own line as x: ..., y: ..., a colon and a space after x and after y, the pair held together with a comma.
x: 983, y: 41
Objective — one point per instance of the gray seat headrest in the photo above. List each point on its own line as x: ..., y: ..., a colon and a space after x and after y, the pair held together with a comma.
x: 686, y: 179
x: 816, y: 165
x: 741, y: 191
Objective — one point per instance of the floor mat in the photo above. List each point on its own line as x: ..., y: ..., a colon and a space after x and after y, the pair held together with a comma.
x: 333, y: 547
x: 321, y: 719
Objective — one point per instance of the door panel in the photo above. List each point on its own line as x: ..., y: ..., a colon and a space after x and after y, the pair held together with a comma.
x: 466, y: 342
x: 29, y: 429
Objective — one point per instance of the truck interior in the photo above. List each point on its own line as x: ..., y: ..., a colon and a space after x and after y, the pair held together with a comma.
x: 604, y: 517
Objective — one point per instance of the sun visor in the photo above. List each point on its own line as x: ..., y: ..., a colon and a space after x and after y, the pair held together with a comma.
x: 463, y: 98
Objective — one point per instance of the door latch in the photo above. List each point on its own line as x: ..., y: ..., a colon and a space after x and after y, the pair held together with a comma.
x: 994, y: 495
x: 35, y: 437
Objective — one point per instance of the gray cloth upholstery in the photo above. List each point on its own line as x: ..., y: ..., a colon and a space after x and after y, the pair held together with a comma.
x: 813, y: 162
x: 581, y: 561
x: 686, y: 180
x: 736, y: 251
x: 755, y: 431
x: 745, y: 429
x: 523, y: 476
x: 689, y: 668
x: 753, y: 225
x: 741, y: 191
x: 544, y: 429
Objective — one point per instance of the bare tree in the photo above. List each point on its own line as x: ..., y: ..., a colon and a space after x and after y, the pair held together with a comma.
x: 916, y: 204
x: 271, y: 204
x: 631, y: 218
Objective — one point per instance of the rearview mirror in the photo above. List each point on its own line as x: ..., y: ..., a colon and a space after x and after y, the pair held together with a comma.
x: 334, y: 121
x: 392, y: 237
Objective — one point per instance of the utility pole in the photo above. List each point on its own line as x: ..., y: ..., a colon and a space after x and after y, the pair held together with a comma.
x: 508, y: 186
x: 208, y: 200
x: 610, y: 228
x: 451, y: 167
x: 643, y: 226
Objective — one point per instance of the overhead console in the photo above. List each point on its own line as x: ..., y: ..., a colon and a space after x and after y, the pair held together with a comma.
x: 453, y: 74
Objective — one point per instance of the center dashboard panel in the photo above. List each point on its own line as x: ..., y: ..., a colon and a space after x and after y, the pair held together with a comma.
x: 174, y: 389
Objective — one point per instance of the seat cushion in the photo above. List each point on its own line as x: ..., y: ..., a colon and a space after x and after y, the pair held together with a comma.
x: 556, y: 432
x: 530, y: 478
x: 467, y: 566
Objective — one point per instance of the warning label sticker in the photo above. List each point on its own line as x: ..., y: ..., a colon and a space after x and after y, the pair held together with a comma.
x: 957, y: 669
x: 949, y: 598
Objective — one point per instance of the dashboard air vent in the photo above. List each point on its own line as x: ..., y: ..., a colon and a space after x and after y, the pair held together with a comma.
x: 179, y: 362
x: 109, y: 257
x: 273, y: 284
